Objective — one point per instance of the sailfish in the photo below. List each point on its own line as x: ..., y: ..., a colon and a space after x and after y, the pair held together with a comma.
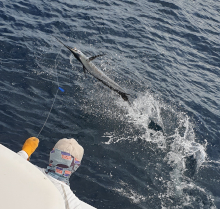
x: 88, y: 66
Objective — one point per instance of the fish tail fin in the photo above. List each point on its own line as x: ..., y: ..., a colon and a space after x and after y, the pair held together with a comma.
x: 125, y: 97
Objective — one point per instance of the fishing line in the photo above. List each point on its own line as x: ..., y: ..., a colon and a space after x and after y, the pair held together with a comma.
x: 55, y: 94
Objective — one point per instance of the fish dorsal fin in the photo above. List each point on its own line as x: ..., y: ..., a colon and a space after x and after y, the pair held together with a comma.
x: 93, y: 57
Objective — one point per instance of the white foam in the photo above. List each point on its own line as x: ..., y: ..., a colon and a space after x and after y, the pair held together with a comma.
x: 131, y: 194
x: 178, y: 141
x: 181, y: 139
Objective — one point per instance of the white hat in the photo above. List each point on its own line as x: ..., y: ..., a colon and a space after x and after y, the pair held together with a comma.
x: 70, y: 146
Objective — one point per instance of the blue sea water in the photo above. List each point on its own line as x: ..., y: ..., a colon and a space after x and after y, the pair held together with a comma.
x: 165, y: 53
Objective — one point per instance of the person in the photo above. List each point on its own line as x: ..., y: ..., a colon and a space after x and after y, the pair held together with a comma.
x: 65, y: 159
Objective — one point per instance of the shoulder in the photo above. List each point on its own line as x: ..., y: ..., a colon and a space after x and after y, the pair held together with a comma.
x: 70, y: 198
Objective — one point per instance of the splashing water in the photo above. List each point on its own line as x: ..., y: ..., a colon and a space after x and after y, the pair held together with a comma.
x: 177, y: 143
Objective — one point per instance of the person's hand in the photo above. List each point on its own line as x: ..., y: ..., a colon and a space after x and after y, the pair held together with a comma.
x: 30, y: 145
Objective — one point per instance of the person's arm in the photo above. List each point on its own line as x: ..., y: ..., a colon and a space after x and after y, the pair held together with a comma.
x: 71, y: 201
x: 29, y: 147
x: 23, y: 154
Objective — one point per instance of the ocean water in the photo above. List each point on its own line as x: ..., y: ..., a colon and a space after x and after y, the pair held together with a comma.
x: 166, y: 54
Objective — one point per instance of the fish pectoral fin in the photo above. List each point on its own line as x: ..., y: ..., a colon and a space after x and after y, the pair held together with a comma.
x: 93, y: 57
x: 84, y: 70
